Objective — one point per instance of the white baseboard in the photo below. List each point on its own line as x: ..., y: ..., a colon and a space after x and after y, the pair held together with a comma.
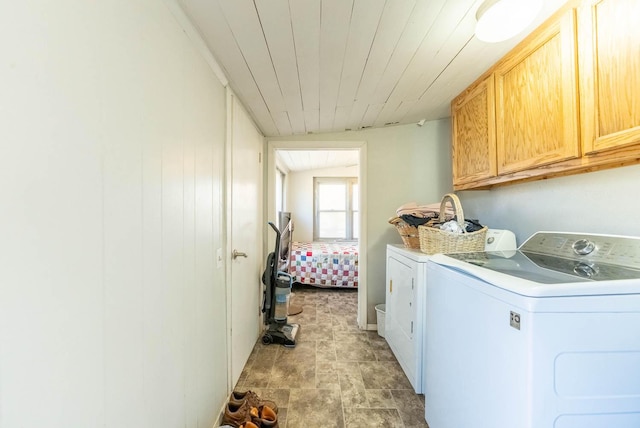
x: 372, y: 326
x: 220, y: 415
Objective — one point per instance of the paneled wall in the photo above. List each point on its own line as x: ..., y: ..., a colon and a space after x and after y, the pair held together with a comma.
x: 112, y: 127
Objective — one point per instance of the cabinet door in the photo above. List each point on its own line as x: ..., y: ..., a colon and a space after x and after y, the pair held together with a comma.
x: 609, y: 40
x: 536, y: 99
x: 474, y: 138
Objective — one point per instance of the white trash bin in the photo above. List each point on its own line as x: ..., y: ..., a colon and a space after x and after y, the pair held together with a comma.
x: 380, y: 313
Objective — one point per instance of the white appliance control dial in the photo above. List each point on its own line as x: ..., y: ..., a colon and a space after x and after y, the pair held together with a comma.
x: 583, y: 247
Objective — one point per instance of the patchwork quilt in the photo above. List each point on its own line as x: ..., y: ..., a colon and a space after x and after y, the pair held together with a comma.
x: 324, y: 264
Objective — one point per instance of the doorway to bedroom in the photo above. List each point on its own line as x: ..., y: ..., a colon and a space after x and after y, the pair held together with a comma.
x: 319, y: 187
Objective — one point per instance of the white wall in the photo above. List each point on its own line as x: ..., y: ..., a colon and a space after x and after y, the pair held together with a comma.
x: 598, y: 202
x: 112, y: 131
x: 404, y: 163
x: 300, y: 197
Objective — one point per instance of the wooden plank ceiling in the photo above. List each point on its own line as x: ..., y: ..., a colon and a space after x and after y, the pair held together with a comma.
x: 305, y: 160
x: 314, y: 66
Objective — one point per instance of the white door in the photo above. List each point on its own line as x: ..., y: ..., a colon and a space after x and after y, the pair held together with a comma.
x: 245, y: 219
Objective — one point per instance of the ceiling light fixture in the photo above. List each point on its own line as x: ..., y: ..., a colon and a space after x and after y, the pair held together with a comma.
x: 500, y: 20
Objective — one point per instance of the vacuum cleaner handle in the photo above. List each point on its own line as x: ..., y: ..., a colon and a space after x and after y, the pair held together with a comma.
x: 273, y: 226
x: 277, y: 249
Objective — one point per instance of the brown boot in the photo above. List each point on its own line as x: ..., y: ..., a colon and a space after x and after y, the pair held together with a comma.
x: 236, y: 415
x: 253, y: 399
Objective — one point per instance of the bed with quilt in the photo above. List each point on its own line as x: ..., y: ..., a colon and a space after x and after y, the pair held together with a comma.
x: 324, y: 264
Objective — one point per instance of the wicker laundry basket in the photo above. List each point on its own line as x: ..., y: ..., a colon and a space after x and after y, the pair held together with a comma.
x: 408, y: 233
x: 433, y: 240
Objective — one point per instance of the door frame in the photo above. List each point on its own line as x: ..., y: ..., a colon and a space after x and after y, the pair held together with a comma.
x: 361, y: 147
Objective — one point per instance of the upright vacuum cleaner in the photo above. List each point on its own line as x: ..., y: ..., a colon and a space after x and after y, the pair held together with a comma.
x: 275, y: 304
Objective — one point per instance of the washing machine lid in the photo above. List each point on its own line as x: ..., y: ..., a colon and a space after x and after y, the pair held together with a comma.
x: 558, y: 264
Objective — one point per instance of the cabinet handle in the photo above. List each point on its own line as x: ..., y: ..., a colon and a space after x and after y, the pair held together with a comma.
x: 390, y: 285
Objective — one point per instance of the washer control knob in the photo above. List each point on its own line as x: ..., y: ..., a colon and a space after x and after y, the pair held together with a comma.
x: 586, y: 270
x: 583, y: 247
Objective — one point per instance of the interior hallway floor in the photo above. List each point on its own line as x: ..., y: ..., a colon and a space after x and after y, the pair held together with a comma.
x: 337, y: 375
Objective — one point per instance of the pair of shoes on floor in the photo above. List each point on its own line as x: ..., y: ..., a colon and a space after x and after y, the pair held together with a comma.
x: 254, y: 400
x: 244, y: 416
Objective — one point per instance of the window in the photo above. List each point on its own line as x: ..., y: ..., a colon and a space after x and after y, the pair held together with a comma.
x: 336, y: 208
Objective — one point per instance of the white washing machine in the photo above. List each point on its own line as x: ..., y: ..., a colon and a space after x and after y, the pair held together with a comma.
x: 546, y: 336
x: 405, y: 302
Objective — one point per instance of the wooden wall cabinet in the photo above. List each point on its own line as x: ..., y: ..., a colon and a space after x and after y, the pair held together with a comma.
x: 567, y: 100
x: 473, y: 128
x: 536, y: 100
x: 609, y: 37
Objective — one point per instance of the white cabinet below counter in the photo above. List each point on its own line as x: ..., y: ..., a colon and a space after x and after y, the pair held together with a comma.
x: 405, y: 302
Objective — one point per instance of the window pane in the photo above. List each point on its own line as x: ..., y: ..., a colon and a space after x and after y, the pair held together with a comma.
x: 332, y: 225
x: 355, y: 194
x: 356, y: 225
x: 332, y: 197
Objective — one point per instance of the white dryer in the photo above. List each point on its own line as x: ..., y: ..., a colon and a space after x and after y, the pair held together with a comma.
x: 405, y: 302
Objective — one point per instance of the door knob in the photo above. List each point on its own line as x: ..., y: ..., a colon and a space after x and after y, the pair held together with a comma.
x: 237, y: 254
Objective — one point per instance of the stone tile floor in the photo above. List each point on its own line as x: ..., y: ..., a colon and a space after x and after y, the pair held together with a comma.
x: 337, y: 375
